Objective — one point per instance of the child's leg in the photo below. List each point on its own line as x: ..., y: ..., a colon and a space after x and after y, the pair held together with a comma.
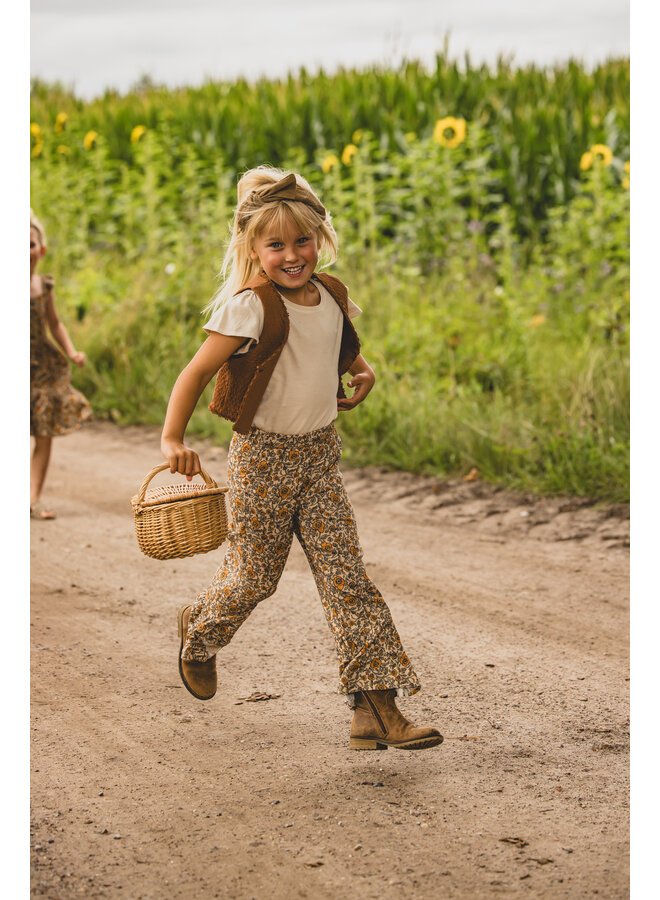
x: 261, y: 499
x: 371, y: 656
x: 39, y: 466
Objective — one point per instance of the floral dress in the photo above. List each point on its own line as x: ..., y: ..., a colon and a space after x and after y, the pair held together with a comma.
x: 55, y: 406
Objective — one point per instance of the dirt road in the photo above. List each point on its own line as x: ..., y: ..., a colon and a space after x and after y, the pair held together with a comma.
x: 514, y: 611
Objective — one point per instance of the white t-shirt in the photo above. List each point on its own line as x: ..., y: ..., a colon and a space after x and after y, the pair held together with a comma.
x: 301, y: 395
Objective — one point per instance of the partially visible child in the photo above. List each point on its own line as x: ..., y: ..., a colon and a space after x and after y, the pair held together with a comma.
x: 55, y: 406
x: 280, y: 339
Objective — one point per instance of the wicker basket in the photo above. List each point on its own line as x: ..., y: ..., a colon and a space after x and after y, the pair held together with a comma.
x: 179, y: 520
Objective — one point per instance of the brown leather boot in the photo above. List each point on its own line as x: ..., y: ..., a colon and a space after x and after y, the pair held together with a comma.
x: 378, y: 724
x: 200, y: 678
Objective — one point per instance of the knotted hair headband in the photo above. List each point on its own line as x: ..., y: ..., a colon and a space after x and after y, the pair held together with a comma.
x: 285, y: 189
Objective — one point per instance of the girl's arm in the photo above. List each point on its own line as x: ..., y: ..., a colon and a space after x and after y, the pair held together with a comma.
x: 59, y: 332
x: 363, y: 380
x: 216, y: 350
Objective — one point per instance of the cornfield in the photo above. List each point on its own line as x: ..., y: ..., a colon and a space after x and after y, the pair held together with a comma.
x: 483, y: 225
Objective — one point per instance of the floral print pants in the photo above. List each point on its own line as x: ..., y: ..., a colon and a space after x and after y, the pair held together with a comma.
x: 281, y: 485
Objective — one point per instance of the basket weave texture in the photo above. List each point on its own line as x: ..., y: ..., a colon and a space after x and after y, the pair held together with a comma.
x: 178, y: 520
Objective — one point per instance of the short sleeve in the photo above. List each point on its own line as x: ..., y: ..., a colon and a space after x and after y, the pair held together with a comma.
x: 353, y: 310
x: 240, y: 316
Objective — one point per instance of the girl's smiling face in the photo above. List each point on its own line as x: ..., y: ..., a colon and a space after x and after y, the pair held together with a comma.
x: 37, y: 249
x: 288, y: 257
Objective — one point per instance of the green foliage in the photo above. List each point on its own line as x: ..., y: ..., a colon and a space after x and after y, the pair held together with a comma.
x: 493, y: 274
x: 539, y: 120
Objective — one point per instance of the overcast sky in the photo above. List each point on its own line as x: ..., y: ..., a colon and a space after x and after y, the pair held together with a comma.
x: 94, y: 44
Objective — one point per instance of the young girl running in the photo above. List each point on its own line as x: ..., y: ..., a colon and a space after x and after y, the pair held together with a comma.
x: 55, y: 407
x: 280, y: 337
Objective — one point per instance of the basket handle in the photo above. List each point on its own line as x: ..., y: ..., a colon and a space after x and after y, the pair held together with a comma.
x: 156, y: 469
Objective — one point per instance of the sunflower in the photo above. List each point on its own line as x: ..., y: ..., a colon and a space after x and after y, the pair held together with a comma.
x: 60, y: 122
x: 603, y: 153
x: 137, y: 133
x: 35, y: 131
x: 457, y: 127
x: 38, y: 147
x: 586, y: 160
x: 348, y: 153
x: 329, y: 163
x: 89, y: 140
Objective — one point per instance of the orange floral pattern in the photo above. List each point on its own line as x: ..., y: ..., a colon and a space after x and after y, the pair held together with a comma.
x: 281, y: 485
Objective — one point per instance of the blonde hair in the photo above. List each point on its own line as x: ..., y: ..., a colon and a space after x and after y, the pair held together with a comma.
x: 36, y: 224
x: 238, y: 268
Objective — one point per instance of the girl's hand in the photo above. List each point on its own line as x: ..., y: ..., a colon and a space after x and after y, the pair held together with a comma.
x: 181, y: 458
x: 363, y: 383
x: 78, y: 357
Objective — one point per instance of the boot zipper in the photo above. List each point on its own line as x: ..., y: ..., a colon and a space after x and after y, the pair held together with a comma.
x: 374, y: 712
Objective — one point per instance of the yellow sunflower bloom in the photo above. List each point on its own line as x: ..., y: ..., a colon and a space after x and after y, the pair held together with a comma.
x: 535, y: 321
x: 625, y: 183
x: 89, y: 140
x: 329, y: 162
x: 626, y: 166
x: 348, y: 153
x: 60, y: 122
x: 586, y: 161
x: 63, y: 149
x: 457, y: 127
x: 357, y: 136
x: 603, y: 153
x: 35, y: 131
x: 38, y: 147
x: 137, y: 133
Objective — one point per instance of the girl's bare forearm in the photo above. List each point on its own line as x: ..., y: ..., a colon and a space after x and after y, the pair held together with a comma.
x: 61, y: 335
x: 187, y: 390
x: 185, y: 394
x: 360, y: 365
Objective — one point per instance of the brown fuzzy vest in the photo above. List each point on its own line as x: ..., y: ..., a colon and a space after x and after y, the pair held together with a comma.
x: 243, y: 379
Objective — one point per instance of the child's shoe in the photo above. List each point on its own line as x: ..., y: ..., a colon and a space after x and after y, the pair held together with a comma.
x: 200, y: 678
x: 379, y: 724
